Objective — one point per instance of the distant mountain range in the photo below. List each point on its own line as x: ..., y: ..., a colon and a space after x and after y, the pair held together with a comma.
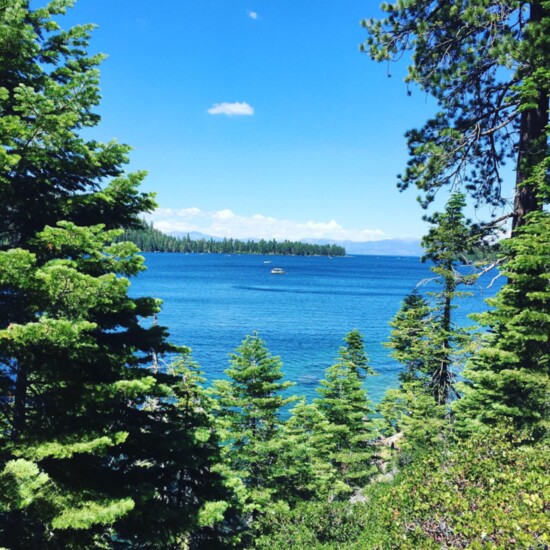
x: 385, y: 247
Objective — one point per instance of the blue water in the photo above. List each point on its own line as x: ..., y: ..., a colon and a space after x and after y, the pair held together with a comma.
x: 211, y: 302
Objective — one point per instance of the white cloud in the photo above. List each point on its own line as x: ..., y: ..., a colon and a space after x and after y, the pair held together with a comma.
x: 252, y: 15
x: 179, y: 212
x: 225, y: 223
x: 223, y: 215
x: 231, y: 109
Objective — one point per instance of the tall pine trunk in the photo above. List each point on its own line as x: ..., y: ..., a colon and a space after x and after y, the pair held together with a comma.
x: 442, y: 377
x: 19, y: 402
x: 532, y: 144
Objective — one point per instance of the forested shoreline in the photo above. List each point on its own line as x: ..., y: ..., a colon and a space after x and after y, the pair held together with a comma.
x: 112, y: 438
x: 149, y: 239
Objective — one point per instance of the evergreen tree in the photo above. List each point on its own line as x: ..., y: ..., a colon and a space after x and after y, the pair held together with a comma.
x: 425, y: 339
x: 303, y: 470
x: 508, y: 378
x: 487, y: 63
x: 79, y: 456
x: 446, y: 245
x: 344, y: 403
x: 248, y: 412
x: 412, y: 408
x: 409, y: 336
x: 73, y: 382
x: 354, y: 353
x: 410, y: 345
x: 191, y: 504
x: 149, y: 239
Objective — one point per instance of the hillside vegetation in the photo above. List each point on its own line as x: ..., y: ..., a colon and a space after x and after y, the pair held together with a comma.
x: 149, y: 239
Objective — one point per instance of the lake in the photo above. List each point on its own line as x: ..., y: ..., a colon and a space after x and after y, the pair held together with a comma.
x: 212, y: 301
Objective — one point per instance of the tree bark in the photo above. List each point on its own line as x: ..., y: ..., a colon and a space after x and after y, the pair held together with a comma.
x: 532, y: 145
x: 20, y: 405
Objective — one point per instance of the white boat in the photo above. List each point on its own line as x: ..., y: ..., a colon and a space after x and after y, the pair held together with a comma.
x: 277, y: 271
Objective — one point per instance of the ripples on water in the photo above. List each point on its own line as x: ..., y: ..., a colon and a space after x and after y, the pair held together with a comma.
x: 211, y: 302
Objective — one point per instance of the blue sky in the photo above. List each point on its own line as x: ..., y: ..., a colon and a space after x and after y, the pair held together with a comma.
x: 258, y: 118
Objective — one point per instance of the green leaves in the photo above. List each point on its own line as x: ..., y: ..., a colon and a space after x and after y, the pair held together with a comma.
x: 510, y: 376
x: 486, y: 63
x: 486, y: 492
x: 100, y: 442
x: 469, y: 496
x: 21, y: 483
x: 67, y: 449
x: 247, y: 410
x: 89, y: 514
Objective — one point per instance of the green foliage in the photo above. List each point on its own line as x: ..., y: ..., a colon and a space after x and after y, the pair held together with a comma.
x: 485, y: 492
x: 354, y: 353
x: 427, y: 342
x: 248, y: 411
x: 29, y: 493
x: 344, y: 403
x: 22, y: 483
x: 92, y: 513
x: 67, y: 449
x: 149, y: 239
x: 185, y: 499
x: 306, y: 444
x: 103, y: 444
x: 98, y: 446
x: 410, y: 332
x: 326, y: 525
x: 49, y: 172
x: 446, y: 244
x: 487, y: 64
x: 508, y: 378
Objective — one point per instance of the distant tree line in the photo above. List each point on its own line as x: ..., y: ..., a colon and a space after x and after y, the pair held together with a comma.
x: 149, y: 239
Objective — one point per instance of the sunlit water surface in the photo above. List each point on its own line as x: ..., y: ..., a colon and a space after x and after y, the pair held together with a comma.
x: 211, y: 302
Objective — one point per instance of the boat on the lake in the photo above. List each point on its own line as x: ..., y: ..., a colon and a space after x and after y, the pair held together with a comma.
x: 277, y: 271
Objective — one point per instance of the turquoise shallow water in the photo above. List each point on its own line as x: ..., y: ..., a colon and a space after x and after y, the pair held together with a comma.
x: 211, y: 302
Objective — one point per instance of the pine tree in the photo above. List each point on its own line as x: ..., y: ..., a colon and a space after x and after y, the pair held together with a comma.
x: 344, y: 403
x: 426, y: 340
x: 354, y: 353
x: 409, y: 336
x: 77, y: 448
x: 193, y: 505
x: 306, y: 445
x: 446, y: 245
x: 410, y: 345
x: 487, y: 63
x: 248, y: 412
x: 508, y: 378
x: 73, y: 381
x: 412, y: 407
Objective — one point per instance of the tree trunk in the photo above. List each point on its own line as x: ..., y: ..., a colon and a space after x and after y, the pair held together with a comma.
x: 20, y: 398
x: 445, y: 380
x: 532, y: 144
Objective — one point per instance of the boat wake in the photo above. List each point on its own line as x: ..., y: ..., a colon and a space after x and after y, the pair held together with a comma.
x: 326, y: 291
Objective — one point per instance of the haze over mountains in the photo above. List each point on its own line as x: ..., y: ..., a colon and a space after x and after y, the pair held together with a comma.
x: 385, y: 247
